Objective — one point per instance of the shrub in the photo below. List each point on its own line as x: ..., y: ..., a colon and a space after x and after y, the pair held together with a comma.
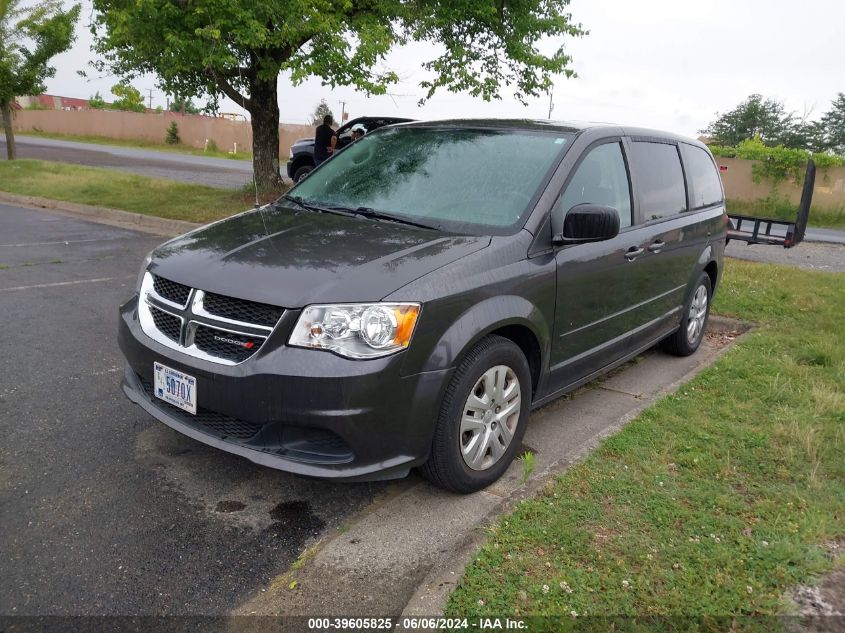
x: 777, y: 163
x: 171, y: 137
x: 211, y: 146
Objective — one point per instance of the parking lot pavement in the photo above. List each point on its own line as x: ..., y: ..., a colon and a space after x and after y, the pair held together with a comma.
x: 103, y: 510
x: 201, y: 170
x: 827, y: 256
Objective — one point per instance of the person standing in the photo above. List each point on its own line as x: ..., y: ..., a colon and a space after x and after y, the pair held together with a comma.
x: 325, y: 140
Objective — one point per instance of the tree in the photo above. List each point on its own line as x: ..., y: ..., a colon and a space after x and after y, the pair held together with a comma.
x: 30, y: 36
x: 755, y: 116
x: 803, y: 134
x: 128, y: 97
x: 833, y: 124
x: 320, y: 112
x: 238, y: 48
x: 184, y: 105
x: 96, y: 102
x: 171, y: 136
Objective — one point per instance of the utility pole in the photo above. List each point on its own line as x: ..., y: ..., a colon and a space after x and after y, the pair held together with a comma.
x: 342, y: 111
x: 150, y: 90
x: 551, y: 104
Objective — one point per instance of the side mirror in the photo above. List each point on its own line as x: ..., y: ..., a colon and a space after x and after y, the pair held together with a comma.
x: 586, y: 223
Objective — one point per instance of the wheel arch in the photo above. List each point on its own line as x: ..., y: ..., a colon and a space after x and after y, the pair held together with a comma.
x: 511, y: 317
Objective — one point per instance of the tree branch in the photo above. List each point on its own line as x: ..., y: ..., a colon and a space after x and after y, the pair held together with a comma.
x: 229, y: 90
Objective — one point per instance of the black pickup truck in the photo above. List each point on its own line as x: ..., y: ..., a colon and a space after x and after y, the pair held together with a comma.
x: 301, y: 160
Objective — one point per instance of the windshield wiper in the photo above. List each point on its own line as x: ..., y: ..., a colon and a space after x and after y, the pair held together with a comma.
x: 317, y: 208
x: 368, y: 212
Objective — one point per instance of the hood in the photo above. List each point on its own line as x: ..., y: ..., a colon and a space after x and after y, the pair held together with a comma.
x: 303, y: 141
x: 294, y: 258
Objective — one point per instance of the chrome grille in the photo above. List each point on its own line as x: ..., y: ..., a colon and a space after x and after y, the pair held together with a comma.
x: 170, y: 290
x: 240, y: 310
x: 212, y: 327
x: 228, y: 345
x: 167, y: 324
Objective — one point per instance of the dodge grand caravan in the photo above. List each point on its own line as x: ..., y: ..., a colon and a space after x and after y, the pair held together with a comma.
x: 410, y: 301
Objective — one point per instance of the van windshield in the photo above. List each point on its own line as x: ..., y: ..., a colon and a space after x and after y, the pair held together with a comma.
x: 477, y: 181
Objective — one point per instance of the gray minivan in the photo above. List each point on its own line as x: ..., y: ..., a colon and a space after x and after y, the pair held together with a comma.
x: 409, y: 302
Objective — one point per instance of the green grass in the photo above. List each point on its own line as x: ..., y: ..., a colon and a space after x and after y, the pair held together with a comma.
x: 181, y: 148
x: 121, y: 190
x: 713, y: 502
x: 783, y: 209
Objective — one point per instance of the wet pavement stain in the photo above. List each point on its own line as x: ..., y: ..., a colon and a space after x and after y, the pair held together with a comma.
x: 229, y: 506
x: 294, y: 518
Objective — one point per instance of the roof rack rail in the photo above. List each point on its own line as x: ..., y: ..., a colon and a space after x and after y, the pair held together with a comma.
x: 756, y: 230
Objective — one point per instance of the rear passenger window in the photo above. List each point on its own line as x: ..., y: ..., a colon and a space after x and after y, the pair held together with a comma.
x: 703, y: 177
x: 601, y: 178
x: 660, y: 179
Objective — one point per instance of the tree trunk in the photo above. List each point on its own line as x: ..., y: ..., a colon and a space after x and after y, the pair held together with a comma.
x: 264, y: 108
x: 11, y: 152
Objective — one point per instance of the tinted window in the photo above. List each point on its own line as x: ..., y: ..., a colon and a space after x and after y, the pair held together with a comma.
x: 601, y: 178
x: 702, y: 174
x: 478, y: 181
x: 660, y: 179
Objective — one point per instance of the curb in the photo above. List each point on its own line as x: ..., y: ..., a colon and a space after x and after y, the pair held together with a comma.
x: 112, y: 217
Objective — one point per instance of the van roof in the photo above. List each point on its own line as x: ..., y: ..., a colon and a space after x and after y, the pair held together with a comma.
x: 566, y: 127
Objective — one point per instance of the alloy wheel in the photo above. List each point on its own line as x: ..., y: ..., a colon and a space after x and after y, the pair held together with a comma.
x: 490, y: 417
x: 697, y: 314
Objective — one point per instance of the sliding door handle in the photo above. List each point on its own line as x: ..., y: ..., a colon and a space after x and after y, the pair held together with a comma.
x: 632, y: 253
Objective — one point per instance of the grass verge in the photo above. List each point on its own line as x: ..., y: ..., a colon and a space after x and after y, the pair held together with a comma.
x: 783, y: 209
x: 122, y: 190
x: 713, y: 502
x: 179, y: 148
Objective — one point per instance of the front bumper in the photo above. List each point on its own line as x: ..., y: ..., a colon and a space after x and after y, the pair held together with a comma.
x: 304, y: 411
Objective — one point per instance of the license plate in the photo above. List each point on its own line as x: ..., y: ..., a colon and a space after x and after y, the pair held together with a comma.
x: 175, y: 388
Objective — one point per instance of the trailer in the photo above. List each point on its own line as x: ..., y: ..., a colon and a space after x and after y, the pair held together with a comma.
x: 755, y: 230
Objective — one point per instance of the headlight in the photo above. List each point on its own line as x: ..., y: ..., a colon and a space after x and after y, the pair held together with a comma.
x: 143, y: 270
x: 357, y: 330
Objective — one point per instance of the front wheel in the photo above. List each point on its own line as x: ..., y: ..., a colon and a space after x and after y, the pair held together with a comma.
x: 482, y: 418
x: 302, y: 172
x: 688, y: 337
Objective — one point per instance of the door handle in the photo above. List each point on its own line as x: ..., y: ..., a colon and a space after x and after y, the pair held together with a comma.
x: 657, y: 246
x: 632, y: 253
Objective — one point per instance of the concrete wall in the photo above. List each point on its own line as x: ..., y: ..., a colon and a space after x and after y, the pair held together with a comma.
x: 193, y: 129
x: 829, y: 192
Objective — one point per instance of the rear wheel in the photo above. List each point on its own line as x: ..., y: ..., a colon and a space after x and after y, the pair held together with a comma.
x: 482, y: 418
x: 693, y: 322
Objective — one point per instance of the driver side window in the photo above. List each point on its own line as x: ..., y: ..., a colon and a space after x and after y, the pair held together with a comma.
x: 601, y: 178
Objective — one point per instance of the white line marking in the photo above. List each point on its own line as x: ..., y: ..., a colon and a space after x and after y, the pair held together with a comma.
x: 65, y: 283
x: 66, y: 242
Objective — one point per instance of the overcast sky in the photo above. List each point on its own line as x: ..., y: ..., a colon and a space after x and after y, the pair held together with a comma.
x: 669, y: 64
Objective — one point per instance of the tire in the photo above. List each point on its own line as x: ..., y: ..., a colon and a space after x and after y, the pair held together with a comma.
x: 493, y: 361
x: 687, y: 338
x: 301, y: 172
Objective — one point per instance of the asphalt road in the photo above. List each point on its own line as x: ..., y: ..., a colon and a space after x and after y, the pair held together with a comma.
x: 825, y: 256
x: 102, y: 509
x: 215, y: 172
